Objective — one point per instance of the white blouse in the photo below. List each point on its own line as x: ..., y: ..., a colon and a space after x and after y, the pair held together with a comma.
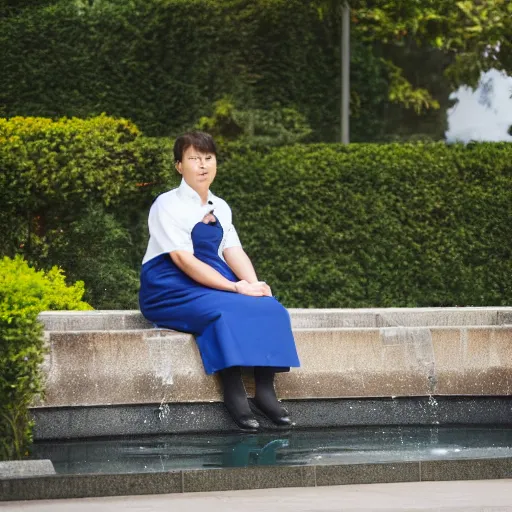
x: 173, y: 216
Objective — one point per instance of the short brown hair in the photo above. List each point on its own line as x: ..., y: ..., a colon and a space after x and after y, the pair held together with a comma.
x: 201, y: 141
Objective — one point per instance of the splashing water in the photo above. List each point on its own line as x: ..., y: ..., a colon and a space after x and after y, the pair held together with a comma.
x: 484, y: 113
x: 432, y: 401
x: 164, y: 411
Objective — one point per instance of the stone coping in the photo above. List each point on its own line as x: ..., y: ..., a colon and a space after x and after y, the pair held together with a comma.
x: 22, y: 468
x: 257, y: 477
x: 301, y: 318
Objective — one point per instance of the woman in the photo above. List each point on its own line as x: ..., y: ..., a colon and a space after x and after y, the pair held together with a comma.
x: 196, y: 278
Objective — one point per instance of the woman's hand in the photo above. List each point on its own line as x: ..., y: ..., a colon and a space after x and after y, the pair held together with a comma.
x: 257, y: 289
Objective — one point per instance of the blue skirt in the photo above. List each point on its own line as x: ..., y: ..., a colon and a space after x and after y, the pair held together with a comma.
x: 230, y: 329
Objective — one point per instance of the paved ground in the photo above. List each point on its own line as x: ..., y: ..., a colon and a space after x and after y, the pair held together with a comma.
x: 484, y: 496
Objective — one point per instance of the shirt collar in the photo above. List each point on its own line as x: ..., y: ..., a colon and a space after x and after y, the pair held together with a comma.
x: 189, y: 194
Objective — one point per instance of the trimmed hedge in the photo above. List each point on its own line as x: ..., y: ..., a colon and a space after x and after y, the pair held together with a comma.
x: 326, y: 225
x: 162, y: 63
x: 24, y: 293
x: 377, y: 225
x: 75, y: 192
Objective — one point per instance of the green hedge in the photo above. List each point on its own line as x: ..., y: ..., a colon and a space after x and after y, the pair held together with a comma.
x: 162, y: 64
x: 327, y: 225
x: 377, y: 225
x: 24, y: 293
x: 75, y: 192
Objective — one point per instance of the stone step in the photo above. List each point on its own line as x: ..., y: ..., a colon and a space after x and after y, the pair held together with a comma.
x: 142, y: 366
x: 192, y: 418
x: 301, y: 318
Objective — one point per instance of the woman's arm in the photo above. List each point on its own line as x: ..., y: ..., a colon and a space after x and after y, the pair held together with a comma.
x: 208, y: 276
x: 201, y: 272
x: 240, y: 264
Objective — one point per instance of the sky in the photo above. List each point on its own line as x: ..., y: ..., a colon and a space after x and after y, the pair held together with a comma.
x: 484, y: 113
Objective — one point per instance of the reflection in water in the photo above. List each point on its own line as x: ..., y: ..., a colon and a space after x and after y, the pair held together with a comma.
x: 253, y: 451
x: 326, y: 446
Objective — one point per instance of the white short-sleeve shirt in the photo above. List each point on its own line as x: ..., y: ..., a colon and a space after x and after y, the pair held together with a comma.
x: 173, y: 216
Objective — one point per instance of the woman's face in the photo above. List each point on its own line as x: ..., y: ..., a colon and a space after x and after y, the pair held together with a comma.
x: 198, y: 169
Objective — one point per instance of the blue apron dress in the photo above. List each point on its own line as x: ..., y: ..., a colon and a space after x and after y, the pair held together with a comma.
x: 230, y: 329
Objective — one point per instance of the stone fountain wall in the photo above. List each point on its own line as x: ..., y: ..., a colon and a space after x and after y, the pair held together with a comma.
x: 115, y: 359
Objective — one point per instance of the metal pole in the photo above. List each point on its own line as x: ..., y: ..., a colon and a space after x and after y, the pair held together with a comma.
x: 345, y: 73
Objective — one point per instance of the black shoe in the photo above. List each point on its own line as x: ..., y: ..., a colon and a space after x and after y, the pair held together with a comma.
x: 278, y: 417
x: 235, y: 399
x: 245, y: 422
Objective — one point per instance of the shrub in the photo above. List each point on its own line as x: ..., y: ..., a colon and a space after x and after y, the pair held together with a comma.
x: 48, y: 163
x: 100, y: 250
x: 61, y: 177
x: 377, y: 225
x: 24, y: 293
x: 254, y: 127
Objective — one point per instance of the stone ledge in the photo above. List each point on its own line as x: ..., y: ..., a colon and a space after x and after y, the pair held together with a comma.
x: 258, y: 477
x: 23, y: 468
x: 86, y: 368
x: 301, y: 318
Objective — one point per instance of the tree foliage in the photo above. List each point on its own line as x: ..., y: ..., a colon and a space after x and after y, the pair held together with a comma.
x: 474, y: 35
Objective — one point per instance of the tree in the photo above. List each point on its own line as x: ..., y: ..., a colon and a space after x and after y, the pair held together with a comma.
x: 474, y: 36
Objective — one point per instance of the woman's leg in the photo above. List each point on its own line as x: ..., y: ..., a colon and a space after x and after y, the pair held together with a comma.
x: 265, y: 397
x: 235, y: 398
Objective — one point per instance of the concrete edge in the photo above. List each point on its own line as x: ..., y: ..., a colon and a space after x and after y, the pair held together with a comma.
x: 257, y: 477
x: 365, y: 317
x: 157, y: 331
x: 24, y: 468
x: 180, y: 418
